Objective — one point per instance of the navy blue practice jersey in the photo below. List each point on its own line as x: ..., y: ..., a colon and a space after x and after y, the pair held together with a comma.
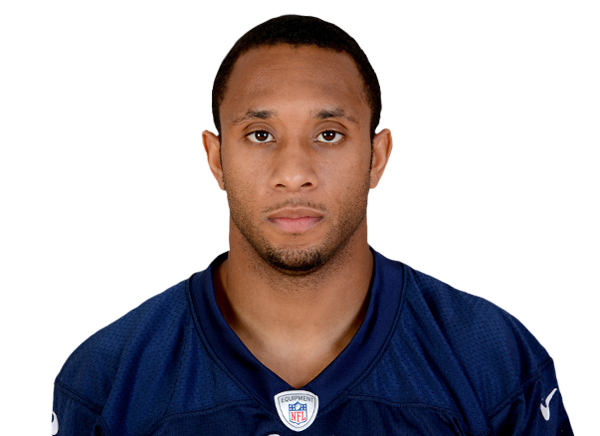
x: 427, y: 360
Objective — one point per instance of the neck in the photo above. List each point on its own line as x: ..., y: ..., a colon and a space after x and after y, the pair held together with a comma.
x: 295, y: 325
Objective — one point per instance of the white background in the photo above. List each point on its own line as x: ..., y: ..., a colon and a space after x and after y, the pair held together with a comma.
x: 33, y: 310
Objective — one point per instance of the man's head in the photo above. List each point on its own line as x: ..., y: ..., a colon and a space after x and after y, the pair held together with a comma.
x: 297, y: 31
x: 296, y: 151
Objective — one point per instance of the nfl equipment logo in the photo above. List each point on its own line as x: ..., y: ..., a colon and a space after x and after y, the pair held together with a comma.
x: 297, y: 409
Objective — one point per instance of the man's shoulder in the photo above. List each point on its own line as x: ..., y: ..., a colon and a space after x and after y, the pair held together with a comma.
x: 494, y: 352
x: 474, y: 325
x: 149, y: 365
x: 147, y: 336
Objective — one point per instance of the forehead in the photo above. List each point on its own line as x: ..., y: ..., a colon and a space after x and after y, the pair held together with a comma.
x: 300, y: 76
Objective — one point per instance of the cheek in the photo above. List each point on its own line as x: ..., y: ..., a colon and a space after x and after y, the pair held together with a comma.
x: 346, y: 172
x: 243, y: 181
x: 347, y: 186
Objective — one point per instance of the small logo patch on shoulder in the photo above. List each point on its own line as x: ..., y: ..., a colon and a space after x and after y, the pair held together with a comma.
x: 545, y: 409
x: 297, y: 409
x: 54, y: 423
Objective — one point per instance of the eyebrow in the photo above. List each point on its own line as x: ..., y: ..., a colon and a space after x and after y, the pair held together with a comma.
x: 251, y: 114
x: 335, y: 113
x: 322, y: 115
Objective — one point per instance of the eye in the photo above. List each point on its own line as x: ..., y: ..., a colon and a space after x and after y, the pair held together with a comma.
x: 329, y: 136
x: 260, y: 136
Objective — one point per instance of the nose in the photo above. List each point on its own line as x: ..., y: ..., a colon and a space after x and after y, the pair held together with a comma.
x: 293, y: 167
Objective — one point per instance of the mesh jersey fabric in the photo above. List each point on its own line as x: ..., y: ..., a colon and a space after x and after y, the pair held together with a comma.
x: 427, y: 360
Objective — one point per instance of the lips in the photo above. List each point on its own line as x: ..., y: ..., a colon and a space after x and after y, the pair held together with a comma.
x: 296, y: 225
x: 295, y: 220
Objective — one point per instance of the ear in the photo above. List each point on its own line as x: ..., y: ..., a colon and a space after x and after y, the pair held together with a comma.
x: 382, y: 148
x: 212, y: 146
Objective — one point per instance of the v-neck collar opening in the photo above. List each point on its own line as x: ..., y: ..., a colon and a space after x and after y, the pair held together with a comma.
x: 363, y: 350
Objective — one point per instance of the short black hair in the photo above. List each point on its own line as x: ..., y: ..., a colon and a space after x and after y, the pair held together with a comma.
x: 298, y: 30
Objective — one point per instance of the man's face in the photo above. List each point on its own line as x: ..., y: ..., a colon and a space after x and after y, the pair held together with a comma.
x: 296, y: 153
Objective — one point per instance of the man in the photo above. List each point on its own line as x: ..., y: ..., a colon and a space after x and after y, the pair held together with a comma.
x: 301, y: 326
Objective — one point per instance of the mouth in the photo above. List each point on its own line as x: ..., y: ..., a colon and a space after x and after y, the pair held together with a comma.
x: 295, y: 225
x: 295, y: 220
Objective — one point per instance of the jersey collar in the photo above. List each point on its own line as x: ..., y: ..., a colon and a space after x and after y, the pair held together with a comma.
x: 361, y: 354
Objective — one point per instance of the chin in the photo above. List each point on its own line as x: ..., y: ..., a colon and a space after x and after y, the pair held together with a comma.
x: 295, y: 261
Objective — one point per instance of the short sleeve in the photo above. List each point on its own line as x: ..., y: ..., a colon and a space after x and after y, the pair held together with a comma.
x: 536, y: 408
x: 74, y: 416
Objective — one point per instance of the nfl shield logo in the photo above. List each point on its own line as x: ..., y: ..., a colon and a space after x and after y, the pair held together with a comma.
x: 297, y: 413
x: 297, y: 409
